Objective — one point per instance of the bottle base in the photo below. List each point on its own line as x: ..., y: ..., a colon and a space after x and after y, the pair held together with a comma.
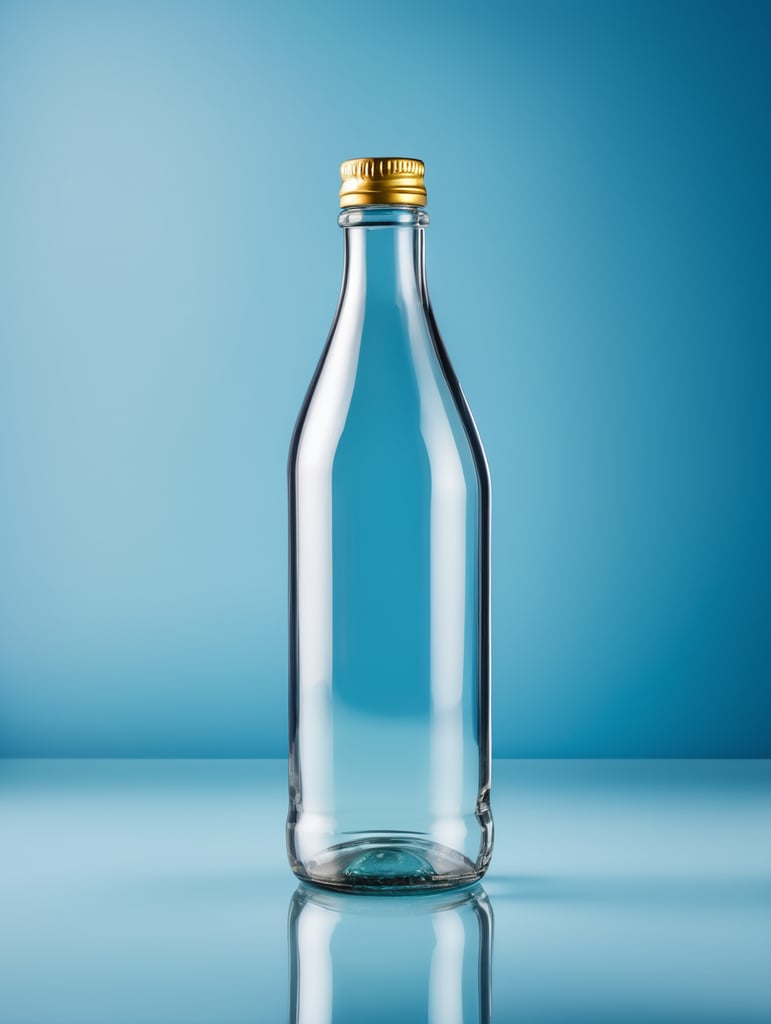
x: 390, y: 863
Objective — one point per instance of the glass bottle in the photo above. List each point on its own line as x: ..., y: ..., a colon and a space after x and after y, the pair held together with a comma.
x: 421, y: 958
x: 389, y: 576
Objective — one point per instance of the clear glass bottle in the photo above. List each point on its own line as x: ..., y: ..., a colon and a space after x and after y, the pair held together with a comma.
x: 389, y: 530
x: 421, y: 958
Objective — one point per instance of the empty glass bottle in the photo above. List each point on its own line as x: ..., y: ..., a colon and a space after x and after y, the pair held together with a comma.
x: 389, y: 528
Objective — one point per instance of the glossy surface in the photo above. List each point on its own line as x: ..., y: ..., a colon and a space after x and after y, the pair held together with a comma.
x: 389, y: 580
x: 353, y: 959
x: 157, y: 892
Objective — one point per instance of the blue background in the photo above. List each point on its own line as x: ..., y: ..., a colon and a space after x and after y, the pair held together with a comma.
x: 599, y: 261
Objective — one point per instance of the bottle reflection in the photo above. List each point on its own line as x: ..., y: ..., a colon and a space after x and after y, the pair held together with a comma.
x: 390, y: 958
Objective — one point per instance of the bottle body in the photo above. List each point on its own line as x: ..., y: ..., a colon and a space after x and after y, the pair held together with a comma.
x: 389, y: 508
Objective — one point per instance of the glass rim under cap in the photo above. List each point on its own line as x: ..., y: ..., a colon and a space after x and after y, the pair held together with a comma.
x: 383, y: 181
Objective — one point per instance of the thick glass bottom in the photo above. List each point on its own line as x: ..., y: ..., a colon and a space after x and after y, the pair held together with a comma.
x: 389, y: 863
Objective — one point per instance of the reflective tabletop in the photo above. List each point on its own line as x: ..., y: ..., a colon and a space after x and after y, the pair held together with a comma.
x: 157, y: 892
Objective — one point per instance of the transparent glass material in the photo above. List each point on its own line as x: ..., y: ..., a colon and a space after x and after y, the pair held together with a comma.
x: 389, y: 509
x: 424, y: 958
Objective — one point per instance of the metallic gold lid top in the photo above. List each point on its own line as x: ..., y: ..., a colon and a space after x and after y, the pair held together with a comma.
x: 382, y: 180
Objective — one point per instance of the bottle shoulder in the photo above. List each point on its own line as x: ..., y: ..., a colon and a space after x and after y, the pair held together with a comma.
x: 385, y: 385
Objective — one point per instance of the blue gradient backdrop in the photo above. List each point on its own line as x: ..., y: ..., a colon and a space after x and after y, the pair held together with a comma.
x: 600, y: 261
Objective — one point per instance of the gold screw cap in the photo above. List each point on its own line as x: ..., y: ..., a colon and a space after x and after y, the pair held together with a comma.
x: 382, y: 180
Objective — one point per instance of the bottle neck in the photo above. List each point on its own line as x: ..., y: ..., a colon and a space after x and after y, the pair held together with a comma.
x: 384, y: 254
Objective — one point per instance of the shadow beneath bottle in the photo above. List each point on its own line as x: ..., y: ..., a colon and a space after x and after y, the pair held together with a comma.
x: 390, y: 958
x: 651, y: 890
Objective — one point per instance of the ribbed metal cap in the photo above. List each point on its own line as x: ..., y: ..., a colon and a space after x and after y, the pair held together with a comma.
x: 378, y: 180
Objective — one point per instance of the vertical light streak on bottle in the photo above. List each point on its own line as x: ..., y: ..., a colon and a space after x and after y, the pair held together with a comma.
x: 315, y: 928
x: 447, y: 574
x: 321, y: 434
x: 445, y: 986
